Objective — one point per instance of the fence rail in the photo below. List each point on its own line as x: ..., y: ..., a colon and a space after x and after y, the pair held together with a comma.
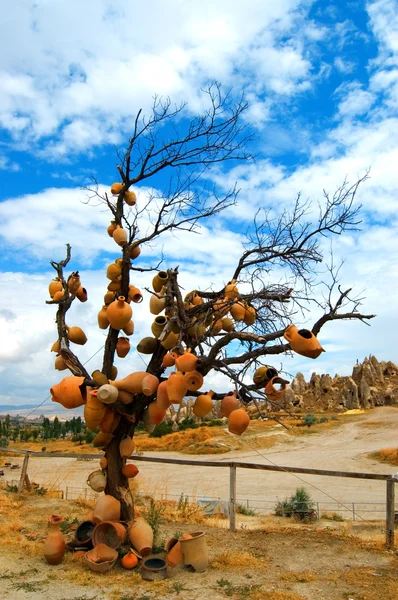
x: 233, y: 466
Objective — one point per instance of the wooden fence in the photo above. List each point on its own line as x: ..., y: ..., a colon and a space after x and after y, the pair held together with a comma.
x: 390, y: 480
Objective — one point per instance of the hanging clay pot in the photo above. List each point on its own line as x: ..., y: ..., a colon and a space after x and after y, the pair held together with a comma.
x: 228, y: 404
x: 74, y: 282
x: 113, y: 271
x: 113, y: 372
x: 102, y: 317
x: 141, y: 536
x: 55, y: 286
x: 120, y: 236
x: 250, y: 316
x: 132, y: 383
x: 122, y: 347
x: 195, y: 552
x: 186, y: 362
x: 130, y: 471
x: 228, y: 324
x: 203, y: 404
x: 272, y: 392
x: 119, y: 313
x: 59, y: 364
x: 107, y: 508
x: 94, y: 411
x: 107, y: 393
x: 70, y: 392
x: 110, y: 533
x: 97, y: 480
x: 303, y: 342
x: 238, y: 311
x: 110, y: 421
x: 130, y: 198
x: 149, y: 426
x: 162, y: 397
x: 116, y: 188
x: 59, y: 296
x: 147, y: 345
x: 115, y: 285
x: 216, y: 327
x: 135, y: 294
x: 149, y: 384
x: 129, y: 328
x: 170, y: 341
x: 134, y: 253
x: 158, y: 325
x: 221, y: 307
x: 125, y: 397
x: 238, y: 421
x: 264, y: 374
x: 108, y: 298
x: 231, y: 291
x: 56, y: 347
x: 176, y: 387
x: 159, y: 281
x: 99, y: 377
x: 102, y: 440
x: 156, y: 304
x: 77, y: 336
x: 126, y: 447
x: 168, y: 360
x: 81, y: 294
x: 103, y: 462
x: 194, y: 380
x: 156, y: 413
x: 54, y: 545
x: 111, y: 228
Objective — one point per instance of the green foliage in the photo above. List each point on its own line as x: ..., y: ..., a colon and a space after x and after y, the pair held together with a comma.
x: 67, y: 524
x: 323, y: 420
x: 161, y: 430
x: 310, y: 419
x: 153, y: 515
x: 300, y: 505
x: 243, y: 509
x: 3, y: 442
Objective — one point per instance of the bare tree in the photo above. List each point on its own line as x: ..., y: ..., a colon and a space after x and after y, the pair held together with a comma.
x: 186, y: 149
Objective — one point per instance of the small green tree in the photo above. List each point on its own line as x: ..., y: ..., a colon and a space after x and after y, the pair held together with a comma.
x: 310, y: 420
x: 300, y: 506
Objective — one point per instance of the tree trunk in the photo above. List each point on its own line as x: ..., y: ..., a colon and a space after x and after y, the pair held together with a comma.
x: 117, y: 484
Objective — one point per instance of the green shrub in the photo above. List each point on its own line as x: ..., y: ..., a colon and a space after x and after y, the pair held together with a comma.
x: 323, y: 420
x: 300, y: 506
x: 310, y: 419
x: 161, y: 430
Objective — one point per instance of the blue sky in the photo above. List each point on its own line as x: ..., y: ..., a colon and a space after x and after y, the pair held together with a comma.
x: 322, y: 82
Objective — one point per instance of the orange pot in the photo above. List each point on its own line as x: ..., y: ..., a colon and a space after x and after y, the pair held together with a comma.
x: 156, y: 304
x: 162, y: 397
x: 135, y: 294
x: 159, y: 281
x: 272, y: 392
x: 120, y: 236
x: 81, y: 294
x: 129, y: 560
x: 54, y: 545
x: 203, y: 404
x: 110, y: 421
x: 103, y: 322
x: 108, y: 298
x: 94, y: 411
x: 110, y: 533
x: 141, y: 536
x: 113, y: 271
x: 70, y: 392
x: 186, y: 362
x: 170, y: 340
x: 55, y: 286
x: 126, y: 447
x: 303, y: 342
x: 59, y: 364
x: 102, y: 440
x: 227, y: 324
x: 77, y: 336
x: 107, y: 508
x: 250, y: 316
x: 122, y: 347
x: 150, y: 384
x: 119, y: 313
x: 59, y: 295
x: 116, y: 188
x: 74, y: 282
x: 158, y: 325
x: 132, y: 383
x: 228, y: 404
x: 130, y: 471
x: 156, y: 413
x: 231, y: 291
x: 176, y: 387
x: 111, y: 228
x: 168, y: 360
x: 135, y: 251
x: 238, y: 421
x: 129, y: 328
x: 130, y: 198
x: 238, y: 311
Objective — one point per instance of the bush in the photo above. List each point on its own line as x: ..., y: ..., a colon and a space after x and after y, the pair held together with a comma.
x: 161, y: 430
x: 300, y: 506
x: 323, y: 420
x: 310, y: 420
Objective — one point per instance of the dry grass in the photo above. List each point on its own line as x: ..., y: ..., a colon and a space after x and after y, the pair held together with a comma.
x: 54, y: 446
x: 275, y: 595
x: 235, y: 558
x: 299, y: 576
x: 179, y: 441
x: 386, y: 455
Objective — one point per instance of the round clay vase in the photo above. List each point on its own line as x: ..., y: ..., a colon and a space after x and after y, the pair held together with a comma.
x: 135, y: 251
x: 162, y: 397
x: 55, y: 286
x: 116, y: 188
x: 238, y: 421
x: 250, y: 316
x: 216, y: 327
x: 156, y: 413
x: 147, y: 345
x: 159, y: 281
x: 108, y: 298
x: 111, y: 228
x: 56, y: 347
x: 59, y: 296
x: 156, y: 304
x: 168, y: 360
x: 303, y: 342
x: 107, y: 508
x: 130, y: 198
x: 129, y: 328
x: 115, y: 285
x: 74, y: 282
x: 228, y: 404
x: 107, y: 393
x: 70, y: 392
x: 135, y: 294
x: 158, y: 325
x: 231, y: 291
x: 194, y: 380
x: 102, y: 440
x: 97, y: 480
x: 102, y: 317
x: 126, y: 447
x: 194, y: 551
x: 203, y: 404
x: 103, y: 462
x: 54, y: 545
x: 170, y: 340
x: 120, y: 236
x: 186, y: 362
x: 113, y: 271
x: 99, y: 377
x: 94, y: 411
x: 130, y: 471
x: 238, y: 311
x: 122, y: 347
x: 59, y: 364
x: 176, y: 387
x: 141, y: 536
x: 119, y: 313
x: 77, y: 336
x: 227, y: 324
x: 264, y: 374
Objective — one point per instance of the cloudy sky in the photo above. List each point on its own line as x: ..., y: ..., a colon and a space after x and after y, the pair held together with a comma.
x: 322, y: 82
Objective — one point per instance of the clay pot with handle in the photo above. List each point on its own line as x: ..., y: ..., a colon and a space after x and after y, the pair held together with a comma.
x: 303, y: 342
x: 97, y: 480
x: 54, y: 545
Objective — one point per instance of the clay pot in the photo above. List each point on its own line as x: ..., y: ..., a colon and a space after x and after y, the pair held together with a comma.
x: 154, y: 569
x: 264, y: 374
x: 156, y: 303
x: 97, y: 481
x: 110, y: 533
x: 227, y: 324
x: 54, y: 545
x: 59, y: 364
x: 130, y: 198
x: 116, y: 188
x: 135, y: 294
x: 272, y: 392
x: 228, y: 404
x: 102, y: 317
x: 158, y: 325
x: 122, y: 347
x: 84, y: 534
x: 194, y: 380
x: 115, y: 285
x: 156, y: 413
x: 108, y: 298
x: 130, y: 471
x: 168, y: 360
x: 203, y: 404
x: 103, y: 462
x: 159, y: 281
x: 141, y: 536
x: 162, y: 397
x: 147, y: 345
x: 129, y: 329
x: 107, y: 393
x: 70, y: 392
x: 59, y: 296
x: 107, y: 508
x: 94, y: 411
x: 238, y: 311
x: 132, y: 383
x: 221, y: 307
x: 120, y: 236
x: 81, y: 294
x: 195, y: 552
x: 110, y: 421
x: 126, y: 447
x: 135, y: 251
x: 99, y: 377
x: 119, y: 313
x: 150, y: 384
x: 186, y: 362
x: 102, y: 440
x: 101, y: 558
x: 55, y: 286
x: 149, y: 426
x: 303, y: 342
x: 113, y: 372
x: 111, y: 228
x: 216, y: 327
x: 176, y: 387
x: 238, y: 421
x: 231, y: 291
x: 250, y: 316
x: 56, y: 347
x: 113, y: 271
x: 77, y: 336
x: 74, y: 282
x: 174, y: 556
x: 125, y: 397
x: 170, y: 340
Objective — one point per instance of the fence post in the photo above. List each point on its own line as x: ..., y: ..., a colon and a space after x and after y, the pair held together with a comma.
x: 232, y: 498
x: 317, y: 511
x: 390, y: 526
x: 353, y: 511
x: 23, y: 473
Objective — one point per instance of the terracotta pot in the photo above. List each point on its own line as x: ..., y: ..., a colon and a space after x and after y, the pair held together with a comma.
x: 168, y: 360
x: 154, y: 569
x: 110, y: 421
x: 99, y: 377
x: 101, y: 559
x: 159, y: 281
x: 129, y: 328
x: 103, y: 462
x: 130, y: 198
x: 264, y: 374
x: 84, y: 534
x: 150, y: 384
x: 120, y: 236
x: 231, y: 291
x: 107, y: 393
x: 135, y: 294
x: 149, y: 426
x: 119, y: 313
x: 216, y: 327
x: 59, y: 296
x: 115, y: 285
x: 170, y: 341
x: 81, y: 294
x: 126, y: 447
x: 221, y: 307
x: 108, y: 298
x: 113, y: 372
x: 272, y: 392
x: 130, y: 471
x: 156, y: 413
x: 94, y: 411
x: 141, y: 536
x: 55, y: 286
x: 54, y: 545
x: 122, y: 347
x: 116, y: 188
x: 70, y: 392
x: 125, y: 397
x: 107, y: 508
x: 132, y: 383
x: 238, y: 421
x: 148, y: 345
x: 135, y: 251
x: 194, y: 380
x: 158, y: 325
x: 227, y: 324
x: 162, y: 397
x: 250, y: 316
x: 59, y: 364
x: 186, y: 362
x: 110, y: 533
x: 111, y: 228
x: 102, y: 318
x: 176, y: 387
x: 174, y: 556
x: 97, y: 480
x: 102, y: 440
x: 228, y: 404
x: 303, y: 342
x: 74, y: 282
x: 203, y: 404
x: 77, y: 336
x: 56, y: 347
x: 156, y: 305
x: 238, y: 311
x: 195, y: 552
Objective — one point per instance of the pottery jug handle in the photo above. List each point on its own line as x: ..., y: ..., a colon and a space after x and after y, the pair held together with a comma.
x: 287, y: 335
